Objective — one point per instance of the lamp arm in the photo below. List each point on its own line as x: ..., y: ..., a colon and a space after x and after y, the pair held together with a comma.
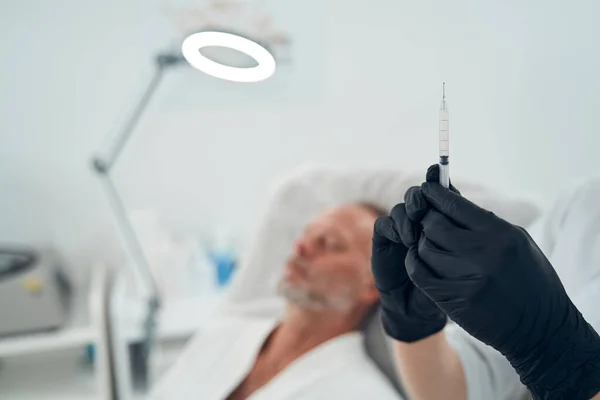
x: 126, y: 132
x: 103, y: 166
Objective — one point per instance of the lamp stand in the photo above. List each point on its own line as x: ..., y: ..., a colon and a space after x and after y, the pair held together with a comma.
x: 103, y: 165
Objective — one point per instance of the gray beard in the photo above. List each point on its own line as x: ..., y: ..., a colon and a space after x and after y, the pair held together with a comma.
x: 312, y: 301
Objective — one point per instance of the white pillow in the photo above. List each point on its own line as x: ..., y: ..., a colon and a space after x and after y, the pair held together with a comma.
x: 308, y: 191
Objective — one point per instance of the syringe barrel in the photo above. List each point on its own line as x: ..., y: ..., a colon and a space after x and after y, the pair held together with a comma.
x: 444, y: 129
x: 444, y: 174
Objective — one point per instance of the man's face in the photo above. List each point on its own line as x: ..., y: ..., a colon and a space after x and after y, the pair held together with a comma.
x: 330, y: 263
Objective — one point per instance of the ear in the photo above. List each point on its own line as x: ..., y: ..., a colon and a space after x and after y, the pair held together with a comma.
x: 370, y: 292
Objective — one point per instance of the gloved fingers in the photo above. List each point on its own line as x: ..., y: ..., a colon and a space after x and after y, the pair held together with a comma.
x: 408, y: 230
x: 444, y: 233
x: 384, y: 231
x: 444, y: 264
x: 387, y: 257
x: 418, y: 271
x: 416, y: 204
x: 425, y: 278
x: 421, y: 303
x: 456, y: 207
x: 433, y: 175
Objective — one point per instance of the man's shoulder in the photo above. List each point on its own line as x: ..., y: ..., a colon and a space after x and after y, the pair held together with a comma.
x: 358, y: 375
x: 219, y: 348
x: 228, y: 325
x: 362, y: 380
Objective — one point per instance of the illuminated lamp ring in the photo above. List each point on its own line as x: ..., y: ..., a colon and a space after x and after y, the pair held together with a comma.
x: 191, y: 52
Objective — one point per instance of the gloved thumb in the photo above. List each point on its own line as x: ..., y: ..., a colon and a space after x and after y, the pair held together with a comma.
x: 416, y: 203
x: 433, y: 175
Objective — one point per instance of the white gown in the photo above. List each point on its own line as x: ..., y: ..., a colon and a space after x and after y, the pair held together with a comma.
x: 218, y: 359
x: 569, y: 235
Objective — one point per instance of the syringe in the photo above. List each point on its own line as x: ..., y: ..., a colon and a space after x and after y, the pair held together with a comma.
x: 444, y: 141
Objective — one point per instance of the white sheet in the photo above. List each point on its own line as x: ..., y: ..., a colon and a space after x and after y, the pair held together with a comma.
x: 217, y: 360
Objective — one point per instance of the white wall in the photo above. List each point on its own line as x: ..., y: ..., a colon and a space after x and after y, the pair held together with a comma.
x: 522, y: 84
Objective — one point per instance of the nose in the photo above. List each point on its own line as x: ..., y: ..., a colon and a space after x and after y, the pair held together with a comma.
x: 304, y: 248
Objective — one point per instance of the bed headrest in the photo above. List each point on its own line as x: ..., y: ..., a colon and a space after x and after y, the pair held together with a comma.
x: 310, y: 190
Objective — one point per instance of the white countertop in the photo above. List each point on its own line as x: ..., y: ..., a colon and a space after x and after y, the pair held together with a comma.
x: 54, y: 375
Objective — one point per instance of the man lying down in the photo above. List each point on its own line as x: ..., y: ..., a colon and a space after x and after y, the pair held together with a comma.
x: 315, y: 349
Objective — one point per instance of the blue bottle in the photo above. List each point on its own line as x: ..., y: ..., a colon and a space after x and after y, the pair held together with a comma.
x: 223, y: 258
x: 225, y: 264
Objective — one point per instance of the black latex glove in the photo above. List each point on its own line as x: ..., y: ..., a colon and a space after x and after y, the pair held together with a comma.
x: 408, y: 314
x: 490, y: 277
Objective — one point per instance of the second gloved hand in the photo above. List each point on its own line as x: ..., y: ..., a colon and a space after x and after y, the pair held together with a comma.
x: 408, y: 314
x: 490, y: 277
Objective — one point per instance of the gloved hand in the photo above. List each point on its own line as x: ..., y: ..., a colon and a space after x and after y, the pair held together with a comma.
x: 490, y: 277
x: 408, y: 314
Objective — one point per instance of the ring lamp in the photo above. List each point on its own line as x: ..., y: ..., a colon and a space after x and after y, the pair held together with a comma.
x: 191, y: 52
